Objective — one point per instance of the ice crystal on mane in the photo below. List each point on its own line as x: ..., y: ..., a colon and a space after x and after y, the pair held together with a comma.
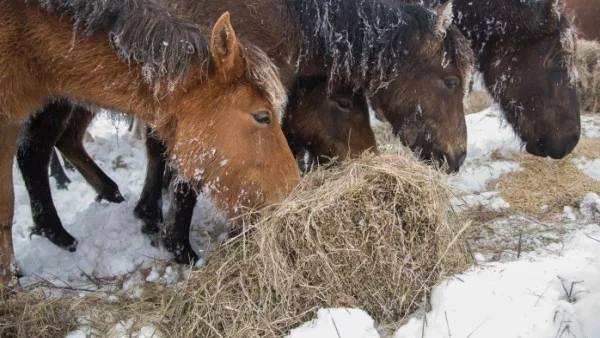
x: 363, y: 42
x: 141, y: 31
x: 145, y: 32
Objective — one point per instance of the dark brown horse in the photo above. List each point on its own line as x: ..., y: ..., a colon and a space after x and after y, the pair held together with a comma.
x: 324, y: 125
x: 309, y: 120
x: 406, y: 56
x: 525, y: 50
x: 135, y: 57
x: 586, y: 17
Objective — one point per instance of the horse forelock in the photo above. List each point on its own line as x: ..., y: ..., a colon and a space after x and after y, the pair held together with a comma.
x: 141, y: 31
x: 264, y: 75
x: 458, y: 48
x: 568, y: 42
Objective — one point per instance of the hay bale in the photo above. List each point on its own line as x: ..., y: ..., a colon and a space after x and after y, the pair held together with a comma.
x: 374, y: 234
x: 547, y: 182
x: 588, y: 67
x: 377, y: 233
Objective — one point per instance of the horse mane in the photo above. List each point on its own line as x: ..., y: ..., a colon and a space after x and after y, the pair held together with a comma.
x: 146, y: 32
x: 361, y: 41
x: 140, y: 31
x: 499, y: 21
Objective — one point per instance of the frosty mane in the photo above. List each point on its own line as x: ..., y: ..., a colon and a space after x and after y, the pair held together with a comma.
x: 140, y: 31
x: 363, y: 42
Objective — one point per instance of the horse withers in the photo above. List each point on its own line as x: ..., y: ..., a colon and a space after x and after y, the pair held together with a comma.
x: 136, y: 57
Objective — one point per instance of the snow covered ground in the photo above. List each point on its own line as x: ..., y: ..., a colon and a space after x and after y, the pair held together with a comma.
x: 552, y: 290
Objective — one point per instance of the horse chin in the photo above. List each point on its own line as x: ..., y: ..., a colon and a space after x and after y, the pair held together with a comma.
x: 551, y: 147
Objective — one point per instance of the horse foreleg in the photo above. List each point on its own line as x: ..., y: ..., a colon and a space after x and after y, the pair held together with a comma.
x: 9, y: 136
x: 175, y: 235
x: 57, y: 171
x: 149, y: 207
x: 33, y: 156
x: 70, y: 145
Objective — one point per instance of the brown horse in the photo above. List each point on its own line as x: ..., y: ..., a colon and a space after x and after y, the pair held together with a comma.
x: 197, y: 94
x: 586, y: 17
x: 407, y: 57
x: 327, y: 125
x: 525, y: 50
x: 63, y: 124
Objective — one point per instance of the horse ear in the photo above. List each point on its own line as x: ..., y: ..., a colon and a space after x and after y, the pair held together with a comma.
x: 444, y: 18
x: 226, y: 53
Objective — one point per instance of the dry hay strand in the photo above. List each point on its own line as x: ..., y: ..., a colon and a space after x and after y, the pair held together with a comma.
x: 383, y: 133
x: 588, y: 67
x: 478, y: 101
x: 34, y: 315
x: 375, y: 233
x: 546, y: 182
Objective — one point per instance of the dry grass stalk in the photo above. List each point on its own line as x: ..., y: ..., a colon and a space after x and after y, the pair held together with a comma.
x: 376, y: 233
x: 34, y: 315
x: 551, y: 183
x: 588, y: 67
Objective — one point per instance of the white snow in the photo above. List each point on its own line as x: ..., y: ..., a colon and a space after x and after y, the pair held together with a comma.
x: 589, y: 167
x: 531, y: 279
x: 347, y: 323
x: 556, y: 295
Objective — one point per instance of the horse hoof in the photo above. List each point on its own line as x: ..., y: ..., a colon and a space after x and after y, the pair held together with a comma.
x: 150, y: 228
x: 63, y: 185
x: 112, y: 197
x: 64, y: 240
x: 182, y: 251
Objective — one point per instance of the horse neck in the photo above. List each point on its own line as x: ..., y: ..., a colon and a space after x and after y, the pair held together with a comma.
x: 87, y: 69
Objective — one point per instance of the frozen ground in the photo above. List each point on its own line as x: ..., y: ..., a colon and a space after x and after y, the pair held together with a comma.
x: 551, y: 290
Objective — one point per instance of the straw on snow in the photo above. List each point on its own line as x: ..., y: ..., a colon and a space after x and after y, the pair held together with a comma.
x: 376, y: 233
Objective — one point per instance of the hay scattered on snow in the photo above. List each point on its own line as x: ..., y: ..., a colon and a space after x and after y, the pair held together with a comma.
x: 547, y: 182
x: 478, y: 101
x: 376, y: 233
x: 588, y: 67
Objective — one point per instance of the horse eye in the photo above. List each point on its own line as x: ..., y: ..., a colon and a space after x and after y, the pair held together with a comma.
x: 344, y: 104
x: 262, y: 117
x: 451, y: 82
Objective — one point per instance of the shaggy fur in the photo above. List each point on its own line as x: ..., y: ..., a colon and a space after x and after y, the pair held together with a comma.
x: 41, y: 59
x: 363, y: 42
x: 526, y: 52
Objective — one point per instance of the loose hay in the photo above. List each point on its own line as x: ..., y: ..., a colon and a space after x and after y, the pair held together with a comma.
x: 478, y: 101
x: 551, y: 183
x: 376, y: 233
x: 588, y: 67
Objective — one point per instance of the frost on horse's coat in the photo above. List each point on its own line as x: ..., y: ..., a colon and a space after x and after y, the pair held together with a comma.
x: 224, y: 82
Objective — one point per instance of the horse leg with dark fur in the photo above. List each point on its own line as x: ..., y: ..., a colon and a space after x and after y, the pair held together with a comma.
x: 175, y: 235
x: 70, y: 145
x: 57, y: 171
x: 149, y: 207
x: 40, y: 134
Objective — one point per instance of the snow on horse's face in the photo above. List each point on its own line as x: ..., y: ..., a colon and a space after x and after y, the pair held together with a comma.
x: 425, y: 105
x: 533, y: 79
